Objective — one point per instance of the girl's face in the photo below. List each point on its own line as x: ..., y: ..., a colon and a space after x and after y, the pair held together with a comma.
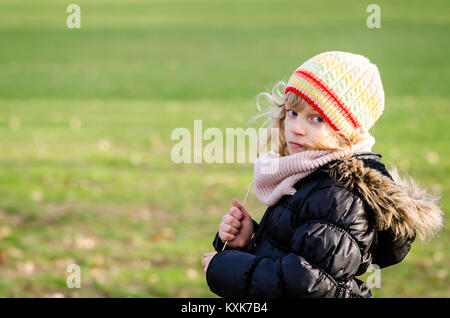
x: 304, y: 127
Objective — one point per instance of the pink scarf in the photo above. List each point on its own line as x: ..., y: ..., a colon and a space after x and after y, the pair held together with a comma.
x: 275, y: 176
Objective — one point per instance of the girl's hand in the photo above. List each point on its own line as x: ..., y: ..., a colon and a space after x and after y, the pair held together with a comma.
x: 236, y: 226
x: 207, y: 257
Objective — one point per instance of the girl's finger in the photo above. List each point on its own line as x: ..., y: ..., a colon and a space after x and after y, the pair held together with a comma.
x: 226, y: 236
x: 231, y: 220
x: 234, y: 211
x: 238, y: 205
x: 228, y: 228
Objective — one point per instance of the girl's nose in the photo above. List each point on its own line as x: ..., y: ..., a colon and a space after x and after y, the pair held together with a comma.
x: 298, y: 127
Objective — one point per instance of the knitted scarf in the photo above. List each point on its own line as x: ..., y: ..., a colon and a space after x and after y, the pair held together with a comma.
x: 275, y: 176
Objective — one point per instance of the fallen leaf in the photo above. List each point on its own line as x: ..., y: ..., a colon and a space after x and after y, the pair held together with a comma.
x: 168, y: 233
x: 27, y: 267
x: 85, y: 241
x: 3, y: 257
x: 153, y: 278
x: 4, y: 231
x: 437, y: 256
x: 191, y: 273
x: 432, y: 157
x: 441, y: 273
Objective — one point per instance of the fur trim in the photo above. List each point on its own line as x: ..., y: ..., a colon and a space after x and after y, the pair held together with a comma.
x: 401, y: 205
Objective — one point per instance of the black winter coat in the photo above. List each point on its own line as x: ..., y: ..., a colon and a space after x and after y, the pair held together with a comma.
x: 314, y: 243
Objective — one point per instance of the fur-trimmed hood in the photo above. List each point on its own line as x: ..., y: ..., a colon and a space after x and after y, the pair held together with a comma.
x: 401, y: 208
x: 398, y: 203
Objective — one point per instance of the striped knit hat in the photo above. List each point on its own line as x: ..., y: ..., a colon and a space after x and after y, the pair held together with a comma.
x: 344, y: 88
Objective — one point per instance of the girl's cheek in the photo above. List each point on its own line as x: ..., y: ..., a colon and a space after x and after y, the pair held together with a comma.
x: 287, y: 125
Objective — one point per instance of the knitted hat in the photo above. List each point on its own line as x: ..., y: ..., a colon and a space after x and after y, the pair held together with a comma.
x: 344, y: 88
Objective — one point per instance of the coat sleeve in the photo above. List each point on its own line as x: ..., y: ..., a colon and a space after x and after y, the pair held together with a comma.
x: 324, y: 257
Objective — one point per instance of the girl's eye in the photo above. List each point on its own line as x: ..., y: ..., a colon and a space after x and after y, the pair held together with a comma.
x: 318, y: 119
x: 292, y: 113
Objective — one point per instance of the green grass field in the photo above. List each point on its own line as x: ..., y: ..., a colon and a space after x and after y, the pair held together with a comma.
x: 86, y: 116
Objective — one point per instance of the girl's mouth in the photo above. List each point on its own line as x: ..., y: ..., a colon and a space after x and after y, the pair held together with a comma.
x: 295, y: 145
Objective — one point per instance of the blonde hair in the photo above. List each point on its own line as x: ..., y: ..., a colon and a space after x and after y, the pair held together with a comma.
x: 276, y: 114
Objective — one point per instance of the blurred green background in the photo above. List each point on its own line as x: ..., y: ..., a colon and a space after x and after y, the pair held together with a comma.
x: 86, y: 116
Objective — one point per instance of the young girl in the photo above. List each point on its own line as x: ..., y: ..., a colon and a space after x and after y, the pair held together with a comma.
x: 333, y: 208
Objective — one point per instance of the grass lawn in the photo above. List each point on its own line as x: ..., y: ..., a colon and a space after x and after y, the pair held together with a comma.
x: 86, y: 117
